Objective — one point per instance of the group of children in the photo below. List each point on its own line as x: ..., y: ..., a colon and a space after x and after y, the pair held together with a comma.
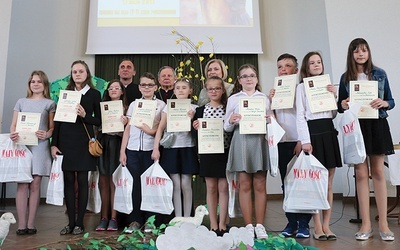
x: 246, y: 154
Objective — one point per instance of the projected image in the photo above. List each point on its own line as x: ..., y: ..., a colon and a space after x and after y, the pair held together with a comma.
x: 174, y: 12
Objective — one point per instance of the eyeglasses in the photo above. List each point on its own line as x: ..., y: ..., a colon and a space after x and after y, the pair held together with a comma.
x: 214, y: 89
x: 184, y: 79
x: 111, y: 89
x: 147, y: 85
x: 248, y: 76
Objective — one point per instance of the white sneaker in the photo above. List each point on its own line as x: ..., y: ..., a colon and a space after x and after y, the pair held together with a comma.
x: 261, y: 233
x: 250, y: 229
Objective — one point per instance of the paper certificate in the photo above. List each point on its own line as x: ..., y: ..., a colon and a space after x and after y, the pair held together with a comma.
x: 285, y: 89
x: 66, y: 106
x: 211, y: 136
x: 178, y: 119
x: 319, y: 98
x: 144, y: 112
x: 253, y: 113
x: 111, y: 113
x: 27, y: 125
x: 363, y: 92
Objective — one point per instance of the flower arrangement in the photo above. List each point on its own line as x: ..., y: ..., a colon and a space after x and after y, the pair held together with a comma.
x: 190, y: 65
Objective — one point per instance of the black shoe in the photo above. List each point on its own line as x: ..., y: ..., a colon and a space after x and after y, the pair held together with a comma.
x: 66, y: 230
x: 22, y: 231
x: 31, y: 230
x: 221, y: 232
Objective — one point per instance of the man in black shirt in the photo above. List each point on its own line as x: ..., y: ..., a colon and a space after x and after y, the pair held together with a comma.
x: 166, y: 78
x: 126, y: 72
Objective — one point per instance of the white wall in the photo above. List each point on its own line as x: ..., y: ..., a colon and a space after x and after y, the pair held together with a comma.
x: 5, y: 19
x: 47, y: 35
x: 50, y: 35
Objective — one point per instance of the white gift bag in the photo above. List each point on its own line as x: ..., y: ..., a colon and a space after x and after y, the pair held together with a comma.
x: 15, y: 161
x: 275, y: 134
x: 123, y: 182
x: 94, y: 199
x: 306, y: 185
x: 157, y: 190
x: 353, y: 141
x: 55, y: 188
x: 233, y: 189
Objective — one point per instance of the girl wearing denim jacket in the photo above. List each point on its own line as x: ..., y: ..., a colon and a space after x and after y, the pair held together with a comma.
x: 376, y: 134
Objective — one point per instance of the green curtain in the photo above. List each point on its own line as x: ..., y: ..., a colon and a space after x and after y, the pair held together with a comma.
x: 106, y: 66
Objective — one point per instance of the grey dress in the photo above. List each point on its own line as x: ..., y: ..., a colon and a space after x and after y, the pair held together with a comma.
x: 41, y: 162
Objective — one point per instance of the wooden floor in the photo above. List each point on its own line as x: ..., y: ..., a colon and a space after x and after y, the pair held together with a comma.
x: 51, y: 219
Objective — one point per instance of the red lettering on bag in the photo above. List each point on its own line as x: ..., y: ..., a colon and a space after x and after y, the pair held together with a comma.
x: 234, y: 184
x: 54, y: 176
x: 348, y: 128
x: 271, y: 140
x: 155, y: 181
x: 92, y: 185
x: 300, y: 173
x: 314, y: 174
x: 121, y: 182
x: 9, y: 153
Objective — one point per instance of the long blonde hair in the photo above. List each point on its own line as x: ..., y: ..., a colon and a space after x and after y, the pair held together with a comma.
x: 45, y: 81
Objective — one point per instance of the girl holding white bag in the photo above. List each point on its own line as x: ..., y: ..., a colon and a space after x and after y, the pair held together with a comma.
x: 318, y: 137
x: 109, y: 160
x: 180, y: 161
x: 376, y: 135
x: 249, y: 161
x: 37, y: 101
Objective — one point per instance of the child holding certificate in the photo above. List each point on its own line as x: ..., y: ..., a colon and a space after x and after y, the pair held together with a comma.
x: 213, y: 166
x: 179, y: 161
x: 71, y: 140
x: 136, y: 147
x: 37, y: 101
x: 318, y: 136
x: 109, y: 160
x: 289, y: 146
x: 376, y: 134
x: 248, y: 153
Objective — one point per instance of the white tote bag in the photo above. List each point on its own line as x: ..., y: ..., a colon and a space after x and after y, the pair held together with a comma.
x: 15, y: 161
x: 353, y: 141
x: 94, y: 200
x: 157, y: 190
x: 306, y: 185
x: 275, y: 134
x: 123, y: 182
x: 55, y: 188
x: 233, y: 189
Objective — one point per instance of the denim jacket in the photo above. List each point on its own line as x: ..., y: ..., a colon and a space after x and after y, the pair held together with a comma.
x: 384, y: 92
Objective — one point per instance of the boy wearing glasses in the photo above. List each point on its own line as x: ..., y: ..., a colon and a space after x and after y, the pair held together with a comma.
x: 137, y: 146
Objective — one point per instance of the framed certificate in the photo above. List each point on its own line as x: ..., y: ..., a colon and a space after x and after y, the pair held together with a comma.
x: 66, y: 106
x: 318, y: 97
x: 178, y: 119
x: 363, y: 92
x: 285, y: 89
x: 111, y: 113
x: 253, y: 113
x: 27, y: 125
x: 144, y: 112
x: 211, y: 136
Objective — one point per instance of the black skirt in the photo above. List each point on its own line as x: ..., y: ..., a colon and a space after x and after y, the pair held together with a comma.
x: 109, y: 160
x: 324, y: 141
x: 213, y: 165
x: 377, y: 137
x: 180, y: 160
